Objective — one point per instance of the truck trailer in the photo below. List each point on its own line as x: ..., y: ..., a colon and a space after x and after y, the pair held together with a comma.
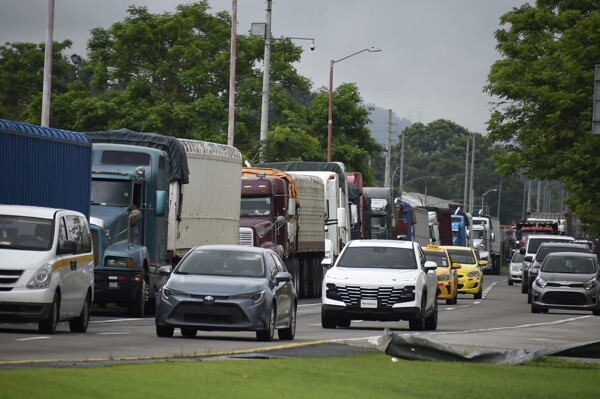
x: 340, y: 214
x: 155, y: 197
x: 285, y: 213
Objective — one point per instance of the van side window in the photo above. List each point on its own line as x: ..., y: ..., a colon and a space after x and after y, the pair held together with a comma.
x: 78, y: 231
x: 62, y: 231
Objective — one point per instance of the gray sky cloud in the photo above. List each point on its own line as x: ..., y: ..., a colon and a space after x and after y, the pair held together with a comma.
x: 435, y: 56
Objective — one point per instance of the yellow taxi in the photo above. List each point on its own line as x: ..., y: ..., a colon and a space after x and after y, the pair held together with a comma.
x: 470, y: 274
x: 447, y: 275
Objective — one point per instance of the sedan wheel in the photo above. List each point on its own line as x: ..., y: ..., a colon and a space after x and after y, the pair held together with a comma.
x: 267, y: 335
x: 188, y: 332
x: 288, y: 334
x: 164, y: 331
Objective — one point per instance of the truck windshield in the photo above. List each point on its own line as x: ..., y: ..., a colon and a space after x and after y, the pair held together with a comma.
x: 255, y: 206
x: 378, y: 222
x: 20, y: 232
x: 477, y: 234
x: 111, y: 192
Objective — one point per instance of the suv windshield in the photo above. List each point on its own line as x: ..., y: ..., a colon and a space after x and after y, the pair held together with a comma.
x: 378, y: 258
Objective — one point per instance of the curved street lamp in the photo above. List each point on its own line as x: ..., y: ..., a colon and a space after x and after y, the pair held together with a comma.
x: 484, y: 194
x: 330, y: 107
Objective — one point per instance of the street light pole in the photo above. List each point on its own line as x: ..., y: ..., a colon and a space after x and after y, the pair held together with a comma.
x: 484, y: 194
x: 330, y: 102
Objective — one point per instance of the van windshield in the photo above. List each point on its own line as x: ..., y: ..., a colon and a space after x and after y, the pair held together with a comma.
x: 26, y: 233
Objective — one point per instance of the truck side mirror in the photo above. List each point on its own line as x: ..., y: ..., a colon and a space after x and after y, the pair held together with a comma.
x: 291, y: 209
x: 161, y: 203
x: 341, y: 217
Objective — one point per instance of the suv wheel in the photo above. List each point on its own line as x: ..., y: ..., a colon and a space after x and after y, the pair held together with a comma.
x: 431, y: 321
x: 327, y: 321
x: 418, y: 323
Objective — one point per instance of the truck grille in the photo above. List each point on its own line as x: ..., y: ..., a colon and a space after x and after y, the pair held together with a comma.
x: 246, y: 236
x: 386, y: 296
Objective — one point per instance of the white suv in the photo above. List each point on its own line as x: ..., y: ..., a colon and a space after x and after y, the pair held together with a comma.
x: 381, y: 280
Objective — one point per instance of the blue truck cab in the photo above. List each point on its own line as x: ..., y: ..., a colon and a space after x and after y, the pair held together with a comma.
x: 128, y: 222
x: 461, y: 223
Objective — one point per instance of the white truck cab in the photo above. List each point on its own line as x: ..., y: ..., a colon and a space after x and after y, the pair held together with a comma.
x: 46, y: 267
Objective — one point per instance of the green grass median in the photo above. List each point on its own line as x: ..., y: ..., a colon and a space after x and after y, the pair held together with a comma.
x: 361, y: 376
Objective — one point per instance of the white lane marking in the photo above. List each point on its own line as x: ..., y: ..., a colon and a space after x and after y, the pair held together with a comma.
x: 32, y: 338
x: 114, y: 333
x: 119, y: 320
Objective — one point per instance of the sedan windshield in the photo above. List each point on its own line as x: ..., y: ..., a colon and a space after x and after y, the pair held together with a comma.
x: 378, y: 258
x: 222, y: 263
x: 459, y: 256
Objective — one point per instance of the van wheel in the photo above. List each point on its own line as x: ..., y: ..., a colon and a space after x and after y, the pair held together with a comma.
x: 137, y: 306
x: 48, y: 326
x: 81, y: 322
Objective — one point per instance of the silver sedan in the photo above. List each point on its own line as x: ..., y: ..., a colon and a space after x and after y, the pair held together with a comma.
x: 228, y: 288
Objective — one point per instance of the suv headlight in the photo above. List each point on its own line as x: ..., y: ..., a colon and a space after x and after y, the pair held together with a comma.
x: 41, y: 278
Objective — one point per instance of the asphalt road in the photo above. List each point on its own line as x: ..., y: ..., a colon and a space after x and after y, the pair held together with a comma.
x: 501, y: 320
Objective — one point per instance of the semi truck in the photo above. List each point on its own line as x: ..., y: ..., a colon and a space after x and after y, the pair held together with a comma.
x: 487, y: 241
x: 461, y: 226
x: 340, y: 214
x: 285, y: 213
x: 406, y: 220
x: 153, y: 198
x: 383, y: 212
x: 44, y: 167
x: 361, y: 229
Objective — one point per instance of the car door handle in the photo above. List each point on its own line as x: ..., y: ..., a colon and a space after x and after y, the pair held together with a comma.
x: 73, y: 265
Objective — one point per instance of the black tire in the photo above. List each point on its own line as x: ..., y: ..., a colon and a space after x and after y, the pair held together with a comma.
x: 344, y: 322
x: 137, y: 307
x: 48, y: 326
x: 305, y: 279
x: 596, y: 312
x: 164, y: 331
x: 418, y: 323
x: 529, y: 295
x: 293, y: 266
x: 478, y: 294
x: 81, y: 322
x: 188, y: 332
x: 288, y: 334
x: 535, y: 308
x: 510, y: 282
x: 431, y: 321
x: 268, y: 334
x: 327, y: 321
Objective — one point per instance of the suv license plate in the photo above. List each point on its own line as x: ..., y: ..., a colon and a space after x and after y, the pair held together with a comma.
x: 368, y: 303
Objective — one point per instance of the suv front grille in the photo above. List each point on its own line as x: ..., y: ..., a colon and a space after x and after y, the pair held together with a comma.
x: 386, y: 296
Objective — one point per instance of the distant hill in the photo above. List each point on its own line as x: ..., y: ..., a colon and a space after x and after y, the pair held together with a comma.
x: 379, y: 125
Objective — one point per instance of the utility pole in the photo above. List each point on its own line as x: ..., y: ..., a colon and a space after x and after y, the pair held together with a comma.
x: 388, y: 157
x: 47, y: 85
x: 466, y: 190
x: 264, y: 112
x: 471, y: 191
x: 232, y: 59
x: 401, y: 183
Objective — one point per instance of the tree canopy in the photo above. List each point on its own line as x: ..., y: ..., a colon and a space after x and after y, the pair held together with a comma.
x: 544, y: 86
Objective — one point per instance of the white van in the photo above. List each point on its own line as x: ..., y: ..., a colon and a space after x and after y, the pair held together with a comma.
x: 46, y: 267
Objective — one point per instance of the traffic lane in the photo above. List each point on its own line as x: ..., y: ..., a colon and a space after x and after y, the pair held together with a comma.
x: 480, y: 323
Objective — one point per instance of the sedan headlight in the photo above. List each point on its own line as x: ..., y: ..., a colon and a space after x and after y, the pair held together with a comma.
x: 445, y: 277
x: 474, y: 273
x: 257, y: 297
x: 540, y: 282
x: 41, y: 278
x: 166, y: 293
x: 588, y: 285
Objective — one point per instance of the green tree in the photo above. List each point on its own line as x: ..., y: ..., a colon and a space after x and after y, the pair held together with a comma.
x: 544, y: 83
x: 22, y: 78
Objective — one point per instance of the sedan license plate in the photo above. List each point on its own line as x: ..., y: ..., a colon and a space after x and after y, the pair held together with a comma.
x: 368, y: 303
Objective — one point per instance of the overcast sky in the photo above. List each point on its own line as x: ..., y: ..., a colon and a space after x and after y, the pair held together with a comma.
x: 435, y: 56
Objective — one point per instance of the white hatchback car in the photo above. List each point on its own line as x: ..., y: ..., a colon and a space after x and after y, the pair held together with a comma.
x: 381, y: 280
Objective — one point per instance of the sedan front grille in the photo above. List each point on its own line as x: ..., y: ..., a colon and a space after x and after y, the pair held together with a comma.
x: 386, y: 296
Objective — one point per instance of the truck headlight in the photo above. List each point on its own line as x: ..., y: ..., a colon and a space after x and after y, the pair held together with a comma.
x: 118, y: 262
x: 41, y: 278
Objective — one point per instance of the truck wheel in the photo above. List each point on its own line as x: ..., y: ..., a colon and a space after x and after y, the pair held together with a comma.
x: 318, y: 278
x: 48, y: 326
x: 305, y: 280
x: 81, y: 322
x: 137, y: 306
x: 293, y: 267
